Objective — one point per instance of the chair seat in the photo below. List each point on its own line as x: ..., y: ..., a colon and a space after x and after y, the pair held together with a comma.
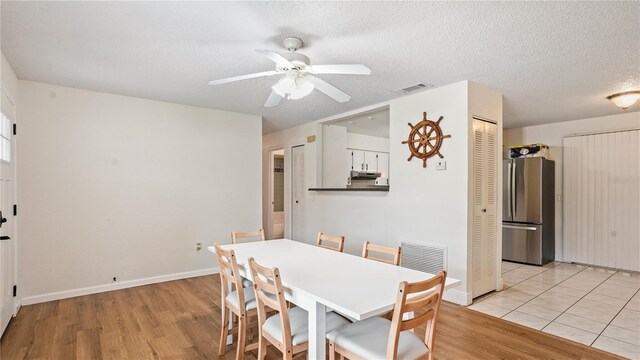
x: 369, y: 338
x: 299, y: 320
x: 249, y: 299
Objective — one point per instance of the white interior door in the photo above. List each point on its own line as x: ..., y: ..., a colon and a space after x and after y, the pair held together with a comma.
x: 484, y: 242
x: 297, y: 194
x: 601, y: 207
x: 7, y: 274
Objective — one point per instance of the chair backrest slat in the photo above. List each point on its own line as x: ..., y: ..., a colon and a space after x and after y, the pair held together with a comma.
x: 267, y: 281
x: 337, y: 240
x: 424, y: 302
x: 235, y: 235
x: 229, y: 275
x: 393, y: 251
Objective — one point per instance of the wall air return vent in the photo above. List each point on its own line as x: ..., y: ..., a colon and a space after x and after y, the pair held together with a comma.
x: 423, y: 257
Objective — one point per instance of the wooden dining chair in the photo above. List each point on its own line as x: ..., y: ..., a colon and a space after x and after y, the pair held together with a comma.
x: 379, y: 338
x: 235, y: 235
x: 241, y: 302
x: 337, y: 240
x: 288, y: 329
x: 393, y: 251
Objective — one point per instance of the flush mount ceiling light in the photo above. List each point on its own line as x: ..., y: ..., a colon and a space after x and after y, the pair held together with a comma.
x: 625, y: 99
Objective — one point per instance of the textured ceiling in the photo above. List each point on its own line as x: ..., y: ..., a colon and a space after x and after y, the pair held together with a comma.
x: 553, y: 61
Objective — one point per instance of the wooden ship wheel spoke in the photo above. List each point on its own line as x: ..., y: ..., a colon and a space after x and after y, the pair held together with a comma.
x: 421, y: 142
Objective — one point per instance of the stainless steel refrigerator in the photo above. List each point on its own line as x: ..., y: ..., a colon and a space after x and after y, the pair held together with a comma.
x: 528, y: 211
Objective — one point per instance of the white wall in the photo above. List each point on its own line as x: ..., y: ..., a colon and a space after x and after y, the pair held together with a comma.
x: 8, y: 79
x: 120, y: 186
x: 423, y: 205
x: 367, y: 142
x: 552, y: 135
x: 335, y: 168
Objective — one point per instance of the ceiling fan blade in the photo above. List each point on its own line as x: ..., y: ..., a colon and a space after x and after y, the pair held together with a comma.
x: 273, y: 100
x: 353, y: 69
x: 243, y: 77
x: 276, y: 58
x: 330, y: 90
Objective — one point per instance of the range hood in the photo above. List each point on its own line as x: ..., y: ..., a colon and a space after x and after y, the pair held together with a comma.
x: 364, y: 175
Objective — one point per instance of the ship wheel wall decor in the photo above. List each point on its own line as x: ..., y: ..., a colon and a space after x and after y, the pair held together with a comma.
x: 425, y: 139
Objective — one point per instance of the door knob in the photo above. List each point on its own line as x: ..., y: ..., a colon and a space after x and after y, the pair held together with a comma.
x: 296, y: 201
x: 484, y: 210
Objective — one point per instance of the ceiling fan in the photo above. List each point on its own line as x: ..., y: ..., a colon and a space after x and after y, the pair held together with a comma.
x: 297, y: 75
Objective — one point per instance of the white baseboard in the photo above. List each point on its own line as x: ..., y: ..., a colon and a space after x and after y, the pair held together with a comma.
x: 114, y: 286
x: 17, y: 304
x: 457, y: 297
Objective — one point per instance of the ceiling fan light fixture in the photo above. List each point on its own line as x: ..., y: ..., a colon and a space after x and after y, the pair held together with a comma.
x: 625, y: 99
x: 292, y: 87
x: 284, y: 86
x: 304, y: 87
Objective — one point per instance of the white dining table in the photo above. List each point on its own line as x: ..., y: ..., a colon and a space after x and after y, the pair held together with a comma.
x: 318, y: 279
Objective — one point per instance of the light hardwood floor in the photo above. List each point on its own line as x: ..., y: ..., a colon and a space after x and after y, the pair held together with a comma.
x: 181, y: 320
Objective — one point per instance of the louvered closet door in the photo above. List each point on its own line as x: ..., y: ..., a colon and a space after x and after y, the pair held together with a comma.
x: 484, y: 243
x: 601, y: 209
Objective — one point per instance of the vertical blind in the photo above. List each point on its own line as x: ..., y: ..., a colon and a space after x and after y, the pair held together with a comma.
x: 601, y: 186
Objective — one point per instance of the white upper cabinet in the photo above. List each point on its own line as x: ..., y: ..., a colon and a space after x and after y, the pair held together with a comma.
x: 383, y: 164
x: 357, y: 160
x: 369, y: 161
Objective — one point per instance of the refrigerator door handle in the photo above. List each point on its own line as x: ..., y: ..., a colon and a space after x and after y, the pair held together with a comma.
x: 533, y: 228
x: 509, y: 192
x: 514, y: 204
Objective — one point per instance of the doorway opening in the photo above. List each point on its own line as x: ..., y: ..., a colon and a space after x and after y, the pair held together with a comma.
x: 298, y: 192
x: 276, y: 222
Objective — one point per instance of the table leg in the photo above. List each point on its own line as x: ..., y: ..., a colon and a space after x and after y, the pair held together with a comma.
x: 317, y: 332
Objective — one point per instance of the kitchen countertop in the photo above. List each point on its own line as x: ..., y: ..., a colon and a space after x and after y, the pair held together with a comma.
x: 377, y: 188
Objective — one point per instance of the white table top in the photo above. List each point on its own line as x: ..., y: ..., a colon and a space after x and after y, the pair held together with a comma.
x: 354, y: 286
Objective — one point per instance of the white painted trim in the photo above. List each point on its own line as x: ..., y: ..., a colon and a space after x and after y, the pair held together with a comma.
x: 115, y: 286
x: 17, y: 305
x: 457, y: 297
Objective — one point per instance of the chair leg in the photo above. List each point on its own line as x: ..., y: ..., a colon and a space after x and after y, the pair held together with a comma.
x: 224, y: 331
x: 242, y: 335
x: 262, y: 348
x: 250, y: 329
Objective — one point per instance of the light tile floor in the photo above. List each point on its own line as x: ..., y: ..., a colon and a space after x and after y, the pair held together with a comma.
x: 594, y: 306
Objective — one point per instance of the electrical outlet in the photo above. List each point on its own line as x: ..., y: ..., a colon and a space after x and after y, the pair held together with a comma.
x: 441, y: 165
x: 199, y: 247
